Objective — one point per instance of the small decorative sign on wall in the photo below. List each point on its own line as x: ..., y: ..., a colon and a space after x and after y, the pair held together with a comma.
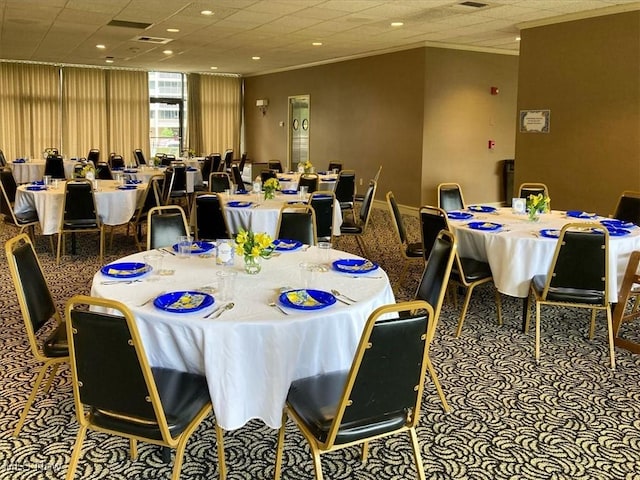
x: 535, y: 121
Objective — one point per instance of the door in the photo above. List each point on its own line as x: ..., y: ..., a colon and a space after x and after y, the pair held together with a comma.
x: 298, y: 131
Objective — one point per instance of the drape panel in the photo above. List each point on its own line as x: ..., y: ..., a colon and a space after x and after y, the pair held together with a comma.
x: 214, y: 113
x: 29, y: 109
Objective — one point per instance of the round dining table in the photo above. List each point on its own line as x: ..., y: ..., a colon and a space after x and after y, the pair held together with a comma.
x: 518, y: 248
x: 115, y: 206
x: 252, y: 352
x: 326, y: 180
x: 144, y: 173
x: 31, y: 170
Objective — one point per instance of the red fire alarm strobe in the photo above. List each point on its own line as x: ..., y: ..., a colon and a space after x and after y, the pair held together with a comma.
x: 494, y: 91
x: 491, y: 144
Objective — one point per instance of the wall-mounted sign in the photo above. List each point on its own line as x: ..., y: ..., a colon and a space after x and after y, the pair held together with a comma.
x: 535, y: 121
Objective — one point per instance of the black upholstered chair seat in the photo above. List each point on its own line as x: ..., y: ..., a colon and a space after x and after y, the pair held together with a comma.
x: 27, y: 217
x: 415, y: 250
x: 56, y: 344
x: 346, y: 205
x: 182, y: 394
x: 80, y: 223
x: 474, y: 270
x: 316, y: 400
x: 349, y: 227
x: 564, y: 294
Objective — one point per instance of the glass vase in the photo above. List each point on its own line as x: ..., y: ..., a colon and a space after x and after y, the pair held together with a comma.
x: 534, y: 215
x: 252, y: 265
x: 269, y: 194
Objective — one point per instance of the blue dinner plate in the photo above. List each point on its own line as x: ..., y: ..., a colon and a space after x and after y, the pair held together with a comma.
x: 306, y: 299
x: 197, y: 247
x: 615, y: 223
x: 133, y: 182
x: 183, y: 301
x: 289, y: 192
x: 130, y: 171
x: 36, y: 188
x: 354, y: 265
x: 285, y: 245
x: 580, y: 214
x: 315, y: 197
x: 282, y: 179
x: 482, y: 208
x: 19, y: 160
x: 117, y: 169
x: 127, y: 187
x: 238, y: 204
x: 38, y: 182
x: 486, y: 226
x: 125, y: 269
x: 615, y: 232
x: 459, y: 215
x: 550, y: 233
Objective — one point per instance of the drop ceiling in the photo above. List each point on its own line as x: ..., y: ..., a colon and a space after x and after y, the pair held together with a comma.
x: 280, y: 32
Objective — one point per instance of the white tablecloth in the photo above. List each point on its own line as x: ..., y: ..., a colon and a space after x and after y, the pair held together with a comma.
x: 289, y: 181
x: 519, y: 253
x: 33, y: 170
x: 264, y: 216
x: 194, y: 176
x: 114, y: 206
x: 251, y: 354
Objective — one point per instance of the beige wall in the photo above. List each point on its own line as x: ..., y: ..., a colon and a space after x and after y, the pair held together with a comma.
x: 461, y: 116
x: 425, y: 114
x: 587, y: 73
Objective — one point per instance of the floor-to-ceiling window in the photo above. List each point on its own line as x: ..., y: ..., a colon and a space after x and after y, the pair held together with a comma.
x: 167, y: 108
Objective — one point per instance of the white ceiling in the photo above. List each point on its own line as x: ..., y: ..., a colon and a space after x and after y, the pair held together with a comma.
x: 281, y: 32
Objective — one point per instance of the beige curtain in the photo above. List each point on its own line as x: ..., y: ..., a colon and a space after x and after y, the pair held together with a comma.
x: 214, y: 106
x: 29, y: 109
x: 128, y: 112
x: 84, y: 111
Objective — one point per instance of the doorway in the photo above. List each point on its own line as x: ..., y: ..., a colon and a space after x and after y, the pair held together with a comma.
x: 299, y: 128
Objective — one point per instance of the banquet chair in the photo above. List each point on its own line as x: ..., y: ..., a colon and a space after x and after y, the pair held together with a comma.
x: 22, y: 221
x: 527, y: 189
x: 139, y: 156
x: 219, y: 182
x: 309, y: 180
x: 297, y: 222
x: 450, y: 197
x: 578, y: 277
x: 241, y: 185
x: 93, y: 156
x: 149, y: 199
x: 275, y: 165
x: 79, y: 215
x: 432, y: 289
x: 38, y: 309
x: 54, y: 166
x: 228, y: 158
x: 175, y: 185
x: 205, y: 169
x: 165, y: 225
x: 411, y: 251
x: 103, y: 171
x: 334, y: 165
x: 243, y: 161
x: 432, y: 221
x: 266, y: 174
x: 165, y: 160
x: 117, y: 392
x: 628, y: 207
x: 345, y: 190
x: 323, y: 204
x: 216, y: 162
x: 358, y: 229
x: 211, y: 222
x: 359, y: 197
x: 3, y: 159
x: 116, y: 162
x: 379, y: 395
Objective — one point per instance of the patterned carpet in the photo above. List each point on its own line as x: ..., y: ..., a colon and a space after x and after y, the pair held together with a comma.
x: 570, y: 417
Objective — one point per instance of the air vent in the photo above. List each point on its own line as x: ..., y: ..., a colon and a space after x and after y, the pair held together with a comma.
x: 127, y: 24
x: 156, y: 40
x: 473, y: 4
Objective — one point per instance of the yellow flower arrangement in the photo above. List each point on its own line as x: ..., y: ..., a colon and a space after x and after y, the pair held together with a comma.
x: 270, y: 187
x: 253, y: 246
x: 537, y: 204
x: 88, y: 169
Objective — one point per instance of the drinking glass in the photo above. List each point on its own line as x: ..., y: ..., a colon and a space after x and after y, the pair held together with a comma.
x: 184, y: 246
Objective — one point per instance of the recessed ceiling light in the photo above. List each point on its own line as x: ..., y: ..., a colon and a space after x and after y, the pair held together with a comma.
x: 167, y: 52
x: 173, y: 30
x: 518, y: 38
x: 214, y: 68
x: 317, y: 44
x: 397, y: 24
x: 109, y: 60
x: 206, y: 12
x: 255, y: 58
x: 101, y: 47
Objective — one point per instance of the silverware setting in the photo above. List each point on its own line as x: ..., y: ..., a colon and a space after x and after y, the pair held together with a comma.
x: 362, y: 276
x: 274, y: 304
x: 220, y: 310
x: 341, y: 296
x: 151, y: 298
x: 166, y: 250
x: 121, y: 282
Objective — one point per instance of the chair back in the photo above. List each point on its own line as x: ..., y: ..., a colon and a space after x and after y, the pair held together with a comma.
x: 323, y: 204
x: 93, y: 156
x: 175, y: 182
x: 346, y: 186
x: 151, y: 197
x: 297, y: 223
x: 34, y: 297
x: 527, y: 189
x: 54, y: 166
x: 580, y: 260
x: 334, y: 165
x: 79, y: 208
x: 367, y: 204
x: 237, y: 178
x: 211, y: 222
x: 216, y: 162
x: 117, y: 162
x: 139, y: 156
x: 628, y: 208
x: 450, y: 197
x: 384, y: 386
x: 432, y: 221
x: 228, y: 158
x: 165, y: 226
x: 3, y: 159
x: 103, y: 171
x: 376, y: 177
x: 243, y: 160
x: 309, y: 180
x: 165, y: 160
x: 396, y: 216
x: 206, y: 167
x: 219, y: 182
x: 275, y: 165
x: 9, y: 185
x: 267, y: 174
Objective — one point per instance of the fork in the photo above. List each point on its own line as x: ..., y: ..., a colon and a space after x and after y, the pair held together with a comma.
x: 116, y: 282
x: 338, y: 294
x: 151, y: 298
x: 274, y: 304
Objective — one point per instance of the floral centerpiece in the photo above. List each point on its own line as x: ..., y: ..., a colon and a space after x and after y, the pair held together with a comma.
x: 308, y: 167
x: 88, y: 172
x: 49, y: 151
x: 537, y: 204
x: 189, y: 153
x: 270, y: 187
x: 253, y: 247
